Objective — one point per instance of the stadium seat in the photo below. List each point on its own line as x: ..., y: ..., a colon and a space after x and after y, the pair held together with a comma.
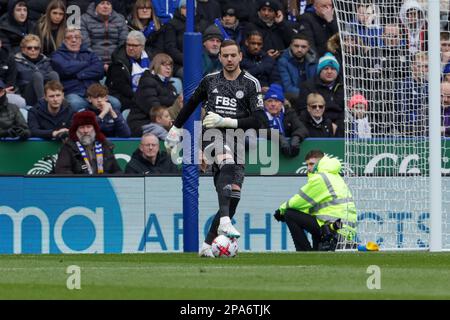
x: 125, y: 113
x: 24, y: 113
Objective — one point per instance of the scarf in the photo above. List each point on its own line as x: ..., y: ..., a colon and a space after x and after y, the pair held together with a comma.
x: 98, y: 155
x: 137, y: 69
x: 276, y: 122
x: 148, y: 30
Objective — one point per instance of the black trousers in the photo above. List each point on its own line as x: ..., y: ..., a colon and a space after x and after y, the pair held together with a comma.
x: 297, y: 223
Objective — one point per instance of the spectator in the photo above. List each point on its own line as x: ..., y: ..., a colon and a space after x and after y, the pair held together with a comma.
x: 155, y: 89
x: 143, y: 18
x: 291, y: 131
x: 14, y: 25
x: 206, y: 12
x: 445, y: 48
x: 51, y: 117
x: 36, y: 9
x: 160, y: 124
x: 245, y: 10
x: 231, y: 24
x: 412, y: 96
x: 271, y: 23
x: 296, y: 65
x: 87, y: 151
x: 367, y: 24
x: 8, y: 74
x: 111, y: 122
x: 358, y: 118
x: 445, y: 109
x: 319, y: 25
x: 173, y: 38
x: 12, y: 122
x: 147, y: 159
x: 212, y: 38
x: 165, y: 9
x: 78, y: 68
x: 315, y: 120
x: 256, y: 61
x: 33, y: 69
x: 326, y: 83
x: 386, y: 63
x: 129, y: 62
x: 414, y: 22
x: 51, y: 26
x: 103, y: 30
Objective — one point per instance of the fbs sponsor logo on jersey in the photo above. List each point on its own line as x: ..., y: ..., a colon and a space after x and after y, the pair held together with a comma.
x: 226, y: 101
x: 59, y: 215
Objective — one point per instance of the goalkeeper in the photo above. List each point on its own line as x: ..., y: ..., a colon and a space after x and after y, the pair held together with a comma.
x: 323, y: 207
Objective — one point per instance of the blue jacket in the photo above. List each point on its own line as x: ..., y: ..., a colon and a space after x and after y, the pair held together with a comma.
x: 77, y: 71
x: 42, y: 123
x: 112, y: 127
x: 262, y: 67
x: 165, y: 9
x: 288, y: 68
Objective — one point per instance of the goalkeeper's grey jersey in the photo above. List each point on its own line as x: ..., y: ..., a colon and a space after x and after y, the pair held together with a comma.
x: 237, y: 99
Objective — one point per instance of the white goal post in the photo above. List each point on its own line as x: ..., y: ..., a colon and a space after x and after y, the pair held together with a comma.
x: 391, y: 55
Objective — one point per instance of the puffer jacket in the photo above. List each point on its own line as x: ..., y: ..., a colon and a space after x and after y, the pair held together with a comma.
x: 151, y: 92
x: 10, y: 116
x: 77, y: 70
x: 103, y: 37
x: 26, y: 68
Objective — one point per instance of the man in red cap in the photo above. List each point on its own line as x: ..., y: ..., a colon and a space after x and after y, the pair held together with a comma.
x: 86, y: 151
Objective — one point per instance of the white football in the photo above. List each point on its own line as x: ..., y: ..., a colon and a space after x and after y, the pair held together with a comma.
x: 224, y: 247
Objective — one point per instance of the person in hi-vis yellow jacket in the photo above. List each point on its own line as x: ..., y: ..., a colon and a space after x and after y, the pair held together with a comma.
x: 323, y: 207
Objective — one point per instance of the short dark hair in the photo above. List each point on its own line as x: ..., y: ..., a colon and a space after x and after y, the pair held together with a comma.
x: 228, y: 43
x: 314, y: 154
x: 300, y: 36
x: 254, y: 33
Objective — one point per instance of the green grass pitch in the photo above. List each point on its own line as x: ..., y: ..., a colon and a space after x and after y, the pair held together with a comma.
x: 404, y: 275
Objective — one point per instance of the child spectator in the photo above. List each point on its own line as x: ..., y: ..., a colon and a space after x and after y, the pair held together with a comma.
x: 360, y: 126
x: 160, y: 124
x: 111, y: 121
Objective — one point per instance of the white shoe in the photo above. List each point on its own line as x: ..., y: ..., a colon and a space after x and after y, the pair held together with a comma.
x: 227, y: 229
x: 206, y: 252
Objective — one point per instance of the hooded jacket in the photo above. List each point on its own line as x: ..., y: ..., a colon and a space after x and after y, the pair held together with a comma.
x: 103, y: 37
x: 11, y: 32
x: 112, y: 127
x: 327, y: 197
x: 42, y: 123
x: 277, y: 36
x: 261, y: 66
x: 416, y: 35
x: 77, y: 70
x: 8, y: 69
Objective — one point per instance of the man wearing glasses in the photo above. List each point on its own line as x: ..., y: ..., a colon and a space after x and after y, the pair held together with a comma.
x: 78, y: 68
x: 323, y: 207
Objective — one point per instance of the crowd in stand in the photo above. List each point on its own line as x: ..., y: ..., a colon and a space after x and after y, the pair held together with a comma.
x: 123, y: 61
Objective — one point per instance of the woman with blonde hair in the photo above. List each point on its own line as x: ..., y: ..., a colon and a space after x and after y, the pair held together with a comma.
x: 155, y: 89
x: 143, y: 18
x: 33, y: 69
x: 51, y: 26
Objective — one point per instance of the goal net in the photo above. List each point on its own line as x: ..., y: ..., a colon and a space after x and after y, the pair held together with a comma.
x: 385, y: 57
